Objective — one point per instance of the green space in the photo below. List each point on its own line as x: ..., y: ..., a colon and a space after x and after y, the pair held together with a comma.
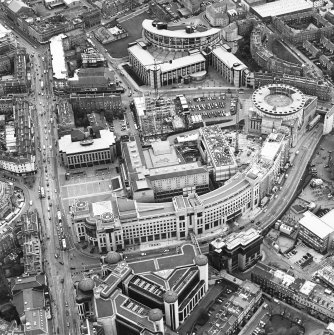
x: 118, y: 49
x: 282, y: 52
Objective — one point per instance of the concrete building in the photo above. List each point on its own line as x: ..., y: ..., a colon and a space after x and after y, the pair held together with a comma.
x: 230, y: 67
x: 156, y: 74
x: 142, y: 302
x: 82, y: 149
x: 115, y: 7
x: 298, y: 292
x: 317, y: 232
x: 6, y: 202
x: 238, y: 251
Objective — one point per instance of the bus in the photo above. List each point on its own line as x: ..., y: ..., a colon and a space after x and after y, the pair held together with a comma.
x: 63, y: 242
x: 42, y: 85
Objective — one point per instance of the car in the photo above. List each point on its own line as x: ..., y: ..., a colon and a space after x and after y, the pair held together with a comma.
x: 143, y: 254
x: 68, y: 324
x: 62, y: 263
x: 166, y: 250
x: 66, y: 304
x: 30, y: 202
x: 56, y: 256
x: 55, y: 191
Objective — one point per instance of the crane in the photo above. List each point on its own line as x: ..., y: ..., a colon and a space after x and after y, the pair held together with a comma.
x: 155, y: 76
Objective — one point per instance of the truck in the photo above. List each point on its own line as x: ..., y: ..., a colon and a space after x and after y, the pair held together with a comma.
x: 63, y: 241
x: 42, y: 85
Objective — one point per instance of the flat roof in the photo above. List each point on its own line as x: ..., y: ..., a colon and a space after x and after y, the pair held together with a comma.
x: 147, y: 60
x: 328, y: 218
x: 181, y: 33
x: 67, y: 146
x: 281, y: 7
x: 58, y: 57
x: 316, y: 225
x: 229, y: 59
x: 101, y: 207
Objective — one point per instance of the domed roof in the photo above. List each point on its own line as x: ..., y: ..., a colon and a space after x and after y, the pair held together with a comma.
x: 112, y: 257
x: 170, y: 297
x: 86, y: 284
x: 201, y: 260
x: 155, y: 314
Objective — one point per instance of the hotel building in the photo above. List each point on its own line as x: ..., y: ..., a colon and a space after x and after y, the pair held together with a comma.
x: 81, y: 149
x: 301, y: 293
x: 238, y: 251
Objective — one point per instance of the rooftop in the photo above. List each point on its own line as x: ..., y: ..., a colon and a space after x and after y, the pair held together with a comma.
x: 316, y: 225
x: 281, y: 7
x: 229, y: 59
x: 58, y: 57
x: 106, y: 140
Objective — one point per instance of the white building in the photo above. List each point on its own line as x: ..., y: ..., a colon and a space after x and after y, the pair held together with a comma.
x: 59, y: 67
x: 87, y: 151
x: 156, y: 74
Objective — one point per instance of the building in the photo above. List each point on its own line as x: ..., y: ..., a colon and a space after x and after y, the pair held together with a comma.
x: 156, y: 74
x: 108, y: 35
x: 179, y: 37
x: 217, y: 14
x: 109, y: 103
x: 265, y: 58
x: 298, y: 292
x: 193, y: 6
x: 230, y: 67
x: 288, y: 26
x: 143, y: 303
x: 91, y: 58
x: 92, y: 79
x: 237, y: 251
x: 217, y: 153
x: 279, y: 8
x: 292, y: 111
x: 317, y: 232
x: 65, y: 118
x: 308, y: 86
x: 132, y: 222
x: 29, y: 298
x: 7, y: 49
x: 159, y: 169
x: 6, y: 202
x: 32, y: 248
x: 19, y: 156
x: 237, y: 309
x: 115, y: 7
x: 82, y: 149
x: 8, y: 241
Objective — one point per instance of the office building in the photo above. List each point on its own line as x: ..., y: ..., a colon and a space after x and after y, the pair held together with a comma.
x: 179, y: 37
x: 298, y: 292
x: 237, y: 251
x: 156, y: 74
x: 159, y: 169
x: 82, y: 149
x: 132, y: 222
x: 318, y: 233
x: 145, y: 302
x: 230, y: 67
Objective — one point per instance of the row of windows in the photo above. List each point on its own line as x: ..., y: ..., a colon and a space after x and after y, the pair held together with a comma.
x: 88, y: 157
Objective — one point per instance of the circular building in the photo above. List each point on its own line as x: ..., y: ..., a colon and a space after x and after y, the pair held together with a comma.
x: 181, y: 37
x: 112, y: 257
x: 86, y: 285
x: 279, y: 101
